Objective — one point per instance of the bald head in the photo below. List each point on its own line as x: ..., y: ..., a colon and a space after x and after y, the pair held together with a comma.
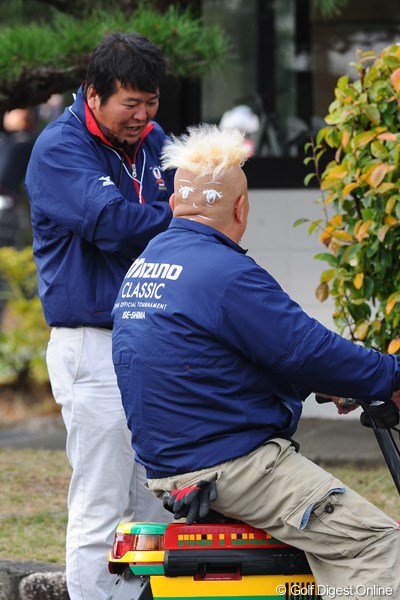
x: 19, y: 119
x: 210, y: 185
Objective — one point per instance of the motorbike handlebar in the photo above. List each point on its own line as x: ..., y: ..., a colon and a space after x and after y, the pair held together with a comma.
x: 345, y: 402
x: 384, y: 415
x: 383, y: 419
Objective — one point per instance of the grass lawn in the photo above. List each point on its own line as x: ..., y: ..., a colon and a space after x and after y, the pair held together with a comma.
x: 33, y: 507
x: 34, y: 485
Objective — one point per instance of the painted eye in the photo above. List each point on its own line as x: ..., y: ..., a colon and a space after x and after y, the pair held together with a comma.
x: 185, y: 190
x: 212, y: 195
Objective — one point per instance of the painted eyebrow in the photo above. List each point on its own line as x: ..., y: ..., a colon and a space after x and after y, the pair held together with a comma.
x: 213, y: 183
x: 185, y: 180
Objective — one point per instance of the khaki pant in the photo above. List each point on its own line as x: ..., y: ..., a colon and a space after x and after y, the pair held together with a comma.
x: 353, y: 548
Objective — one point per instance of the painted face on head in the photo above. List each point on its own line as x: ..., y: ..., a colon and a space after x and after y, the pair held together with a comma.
x: 199, y: 194
x: 220, y: 201
x: 126, y: 112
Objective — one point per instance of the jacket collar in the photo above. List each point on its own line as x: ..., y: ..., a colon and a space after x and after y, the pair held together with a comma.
x: 179, y: 223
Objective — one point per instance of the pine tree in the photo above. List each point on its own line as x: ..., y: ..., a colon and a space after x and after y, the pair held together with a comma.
x: 45, y: 45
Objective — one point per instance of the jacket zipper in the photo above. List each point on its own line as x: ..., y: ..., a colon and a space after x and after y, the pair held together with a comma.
x: 147, y: 130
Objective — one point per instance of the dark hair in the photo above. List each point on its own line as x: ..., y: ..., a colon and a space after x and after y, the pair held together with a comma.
x: 130, y: 58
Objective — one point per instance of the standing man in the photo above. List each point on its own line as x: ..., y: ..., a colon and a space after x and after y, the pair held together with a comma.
x: 98, y: 195
x: 214, y: 370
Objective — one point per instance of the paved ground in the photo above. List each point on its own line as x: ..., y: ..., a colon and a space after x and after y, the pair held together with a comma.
x: 338, y: 441
x: 327, y: 441
x: 36, y: 432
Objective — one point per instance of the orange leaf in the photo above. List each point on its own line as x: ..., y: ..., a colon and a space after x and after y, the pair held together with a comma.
x: 357, y: 227
x: 338, y: 172
x: 322, y: 291
x: 363, y: 138
x: 342, y: 235
x: 388, y: 137
x: 363, y: 230
x: 390, y: 220
x: 361, y: 330
x: 394, y: 345
x: 390, y: 204
x: 345, y: 138
x: 329, y: 198
x: 337, y: 220
x: 358, y: 281
x: 376, y: 325
x: 382, y: 231
x: 385, y: 187
x: 334, y: 248
x: 377, y: 175
x: 395, y: 79
x: 326, y: 236
x: 348, y: 188
x: 390, y: 306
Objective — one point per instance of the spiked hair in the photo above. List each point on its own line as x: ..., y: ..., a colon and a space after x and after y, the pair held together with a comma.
x: 206, y: 150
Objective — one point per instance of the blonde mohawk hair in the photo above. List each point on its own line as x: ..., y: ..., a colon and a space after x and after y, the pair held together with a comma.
x: 206, y: 150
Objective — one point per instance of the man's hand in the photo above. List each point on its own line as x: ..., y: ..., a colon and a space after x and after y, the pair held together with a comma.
x: 342, y: 404
x: 192, y: 502
x: 396, y: 398
x: 344, y: 407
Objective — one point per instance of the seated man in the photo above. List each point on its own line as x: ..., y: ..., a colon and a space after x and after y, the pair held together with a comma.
x: 213, y: 361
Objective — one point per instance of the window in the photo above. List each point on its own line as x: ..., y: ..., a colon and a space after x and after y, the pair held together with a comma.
x: 279, y: 79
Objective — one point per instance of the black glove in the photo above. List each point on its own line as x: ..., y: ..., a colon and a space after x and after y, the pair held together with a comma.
x: 191, y: 502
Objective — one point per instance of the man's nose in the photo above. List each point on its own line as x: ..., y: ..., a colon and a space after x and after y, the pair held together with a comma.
x: 140, y: 113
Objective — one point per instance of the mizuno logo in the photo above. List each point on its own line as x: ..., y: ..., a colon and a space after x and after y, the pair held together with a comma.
x: 148, y: 270
x: 106, y: 180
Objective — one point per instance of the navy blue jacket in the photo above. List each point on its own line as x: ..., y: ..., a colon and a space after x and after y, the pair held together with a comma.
x: 213, y: 358
x: 93, y: 212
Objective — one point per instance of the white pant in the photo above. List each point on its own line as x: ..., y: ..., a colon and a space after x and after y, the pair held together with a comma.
x: 106, y: 483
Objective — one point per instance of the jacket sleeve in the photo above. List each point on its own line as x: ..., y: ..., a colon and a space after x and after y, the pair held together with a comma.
x: 70, y: 185
x: 261, y: 321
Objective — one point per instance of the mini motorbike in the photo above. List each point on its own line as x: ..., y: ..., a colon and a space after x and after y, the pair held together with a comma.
x: 226, y: 559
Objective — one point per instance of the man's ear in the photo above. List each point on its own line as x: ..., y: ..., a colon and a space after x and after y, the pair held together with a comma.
x: 91, y: 95
x: 239, y: 209
x: 172, y: 202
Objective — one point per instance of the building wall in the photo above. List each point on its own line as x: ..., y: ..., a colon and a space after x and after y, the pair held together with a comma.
x: 287, y: 253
